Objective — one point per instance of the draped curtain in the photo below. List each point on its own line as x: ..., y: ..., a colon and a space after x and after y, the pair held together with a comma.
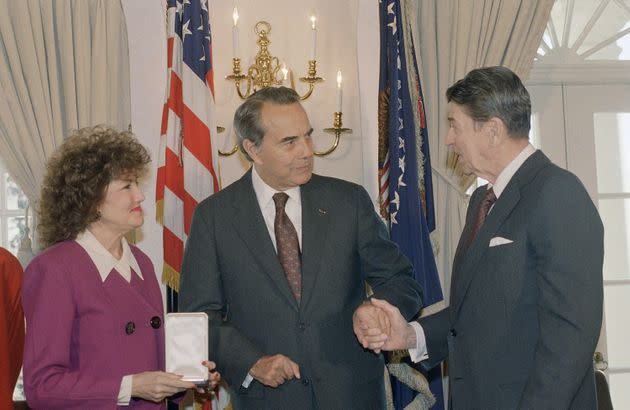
x: 64, y: 64
x: 454, y: 37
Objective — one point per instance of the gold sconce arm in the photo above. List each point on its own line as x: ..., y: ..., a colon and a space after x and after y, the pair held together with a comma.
x: 226, y: 153
x: 336, y: 129
x: 237, y: 77
x: 311, y: 79
x: 230, y: 152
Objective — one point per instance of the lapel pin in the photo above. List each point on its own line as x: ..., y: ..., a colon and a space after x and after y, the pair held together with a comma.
x: 322, y: 211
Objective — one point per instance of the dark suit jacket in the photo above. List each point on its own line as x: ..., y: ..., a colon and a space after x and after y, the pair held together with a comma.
x: 230, y: 267
x: 524, y: 317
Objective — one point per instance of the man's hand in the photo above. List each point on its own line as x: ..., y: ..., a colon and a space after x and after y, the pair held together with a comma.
x: 156, y: 386
x: 213, y: 375
x: 401, y: 334
x: 272, y: 371
x: 371, y: 326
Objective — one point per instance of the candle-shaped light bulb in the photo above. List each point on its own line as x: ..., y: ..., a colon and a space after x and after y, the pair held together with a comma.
x: 235, y: 16
x: 285, y: 72
x: 339, y: 91
x: 314, y: 36
x: 235, y: 33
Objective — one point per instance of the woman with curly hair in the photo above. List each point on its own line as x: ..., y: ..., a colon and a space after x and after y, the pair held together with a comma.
x: 93, y: 306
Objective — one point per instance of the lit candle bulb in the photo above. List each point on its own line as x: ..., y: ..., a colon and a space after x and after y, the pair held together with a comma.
x: 314, y: 34
x: 339, y: 91
x: 235, y: 33
x: 285, y: 73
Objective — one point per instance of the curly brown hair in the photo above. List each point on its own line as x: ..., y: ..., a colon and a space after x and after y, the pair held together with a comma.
x: 77, y: 176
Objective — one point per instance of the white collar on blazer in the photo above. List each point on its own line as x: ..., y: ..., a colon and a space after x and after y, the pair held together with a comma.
x: 105, y: 261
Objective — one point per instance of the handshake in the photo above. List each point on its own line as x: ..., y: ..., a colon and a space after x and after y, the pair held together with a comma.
x: 379, y: 325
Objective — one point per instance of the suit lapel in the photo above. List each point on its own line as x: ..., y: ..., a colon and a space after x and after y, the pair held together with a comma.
x: 502, y: 209
x: 466, y: 260
x: 315, y: 222
x: 250, y: 226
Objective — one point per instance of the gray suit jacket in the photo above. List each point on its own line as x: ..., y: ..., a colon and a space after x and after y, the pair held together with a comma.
x: 524, y: 317
x: 231, y: 269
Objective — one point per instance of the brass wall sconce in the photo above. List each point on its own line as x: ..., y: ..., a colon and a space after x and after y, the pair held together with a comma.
x: 336, y: 129
x: 267, y: 71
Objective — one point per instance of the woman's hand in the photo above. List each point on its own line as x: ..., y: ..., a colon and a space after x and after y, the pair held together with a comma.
x: 156, y: 386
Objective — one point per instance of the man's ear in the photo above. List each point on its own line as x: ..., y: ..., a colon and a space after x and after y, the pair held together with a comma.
x: 496, y: 131
x: 252, y: 150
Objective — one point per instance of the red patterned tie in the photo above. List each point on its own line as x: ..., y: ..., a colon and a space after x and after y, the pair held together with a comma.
x: 484, y: 207
x: 288, y: 245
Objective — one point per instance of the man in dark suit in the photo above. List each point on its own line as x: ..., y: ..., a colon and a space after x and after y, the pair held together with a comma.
x: 526, y: 292
x: 279, y: 261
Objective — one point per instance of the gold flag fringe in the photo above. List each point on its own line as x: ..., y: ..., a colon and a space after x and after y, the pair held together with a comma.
x: 170, y: 277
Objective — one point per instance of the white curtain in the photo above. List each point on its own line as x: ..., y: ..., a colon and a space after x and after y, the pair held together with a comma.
x: 454, y: 37
x: 64, y: 64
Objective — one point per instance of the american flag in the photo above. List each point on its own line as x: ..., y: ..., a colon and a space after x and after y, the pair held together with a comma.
x: 187, y: 164
x: 188, y: 159
x: 406, y: 194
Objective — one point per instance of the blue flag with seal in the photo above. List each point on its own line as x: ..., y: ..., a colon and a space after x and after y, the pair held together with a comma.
x: 405, y: 185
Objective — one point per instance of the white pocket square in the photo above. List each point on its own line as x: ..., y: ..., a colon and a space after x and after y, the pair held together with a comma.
x: 499, y: 240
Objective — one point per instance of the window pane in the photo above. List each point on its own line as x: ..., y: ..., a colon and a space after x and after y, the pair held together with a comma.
x: 612, y: 151
x: 617, y: 330
x: 615, y: 214
x: 619, y: 391
x: 16, y: 226
x: 619, y: 50
x: 595, y: 32
x: 582, y: 12
x: 14, y: 196
x: 18, y: 393
x: 612, y: 21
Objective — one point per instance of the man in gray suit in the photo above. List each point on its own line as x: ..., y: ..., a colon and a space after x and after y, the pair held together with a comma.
x: 279, y: 261
x: 526, y: 292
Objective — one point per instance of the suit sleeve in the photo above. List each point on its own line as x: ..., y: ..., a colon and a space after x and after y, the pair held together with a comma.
x: 51, y: 316
x: 435, y: 327
x: 567, y: 241
x: 201, y: 290
x: 387, y: 271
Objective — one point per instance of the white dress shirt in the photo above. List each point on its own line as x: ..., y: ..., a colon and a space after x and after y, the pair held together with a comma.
x: 293, y: 209
x: 420, y: 351
x: 105, y: 263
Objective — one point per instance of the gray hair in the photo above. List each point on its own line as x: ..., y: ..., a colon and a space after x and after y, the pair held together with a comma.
x: 494, y: 92
x: 247, y: 121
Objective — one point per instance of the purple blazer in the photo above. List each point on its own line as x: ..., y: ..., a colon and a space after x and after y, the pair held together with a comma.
x: 83, y: 335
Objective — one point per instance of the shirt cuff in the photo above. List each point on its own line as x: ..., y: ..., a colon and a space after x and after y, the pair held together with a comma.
x: 248, y: 380
x: 419, y: 353
x: 124, y: 395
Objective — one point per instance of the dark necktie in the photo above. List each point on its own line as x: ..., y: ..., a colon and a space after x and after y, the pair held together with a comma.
x: 288, y: 245
x: 484, y: 207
